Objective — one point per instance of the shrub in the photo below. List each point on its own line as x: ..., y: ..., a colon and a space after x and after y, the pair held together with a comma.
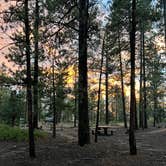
x: 16, y: 134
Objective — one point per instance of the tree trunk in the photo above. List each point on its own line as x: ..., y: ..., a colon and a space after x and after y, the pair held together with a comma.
x: 83, y: 126
x: 99, y: 92
x: 36, y: 68
x: 132, y: 140
x: 116, y: 105
x: 75, y: 100
x: 154, y: 111
x: 144, y: 86
x: 140, y: 89
x: 122, y: 85
x: 29, y: 83
x: 106, y: 93
x: 13, y: 120
x: 54, y: 100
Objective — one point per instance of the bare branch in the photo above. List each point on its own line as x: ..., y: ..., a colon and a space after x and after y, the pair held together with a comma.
x: 8, y: 45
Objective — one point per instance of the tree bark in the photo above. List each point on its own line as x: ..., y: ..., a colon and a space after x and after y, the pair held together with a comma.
x: 116, y: 104
x: 106, y: 92
x: 54, y: 99
x: 132, y: 140
x: 29, y: 83
x: 83, y: 126
x: 154, y: 111
x: 13, y: 120
x: 75, y: 100
x: 36, y: 67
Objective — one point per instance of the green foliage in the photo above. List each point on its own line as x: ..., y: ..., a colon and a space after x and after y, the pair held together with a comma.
x: 155, y: 79
x: 11, y: 106
x: 40, y: 134
x: 8, y: 133
x: 60, y: 94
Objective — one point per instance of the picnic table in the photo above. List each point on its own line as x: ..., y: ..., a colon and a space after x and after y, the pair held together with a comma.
x: 105, y: 129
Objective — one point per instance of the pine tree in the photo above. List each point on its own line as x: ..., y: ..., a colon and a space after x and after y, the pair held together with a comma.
x: 29, y: 82
x: 155, y: 78
x: 146, y: 16
x: 106, y: 88
x: 132, y: 140
x: 117, y: 28
x: 36, y: 67
x: 99, y: 93
x: 83, y: 126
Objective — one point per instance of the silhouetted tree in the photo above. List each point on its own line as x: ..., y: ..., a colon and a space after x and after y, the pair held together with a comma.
x: 83, y: 125
x: 132, y: 140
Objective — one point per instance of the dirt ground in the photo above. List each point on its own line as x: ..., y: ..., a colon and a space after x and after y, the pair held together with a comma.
x: 109, y: 151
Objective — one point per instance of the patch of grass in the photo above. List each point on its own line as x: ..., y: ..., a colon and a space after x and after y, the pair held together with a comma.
x: 16, y: 134
x: 40, y: 134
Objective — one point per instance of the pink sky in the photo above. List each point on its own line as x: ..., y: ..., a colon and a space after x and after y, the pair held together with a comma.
x: 4, y: 39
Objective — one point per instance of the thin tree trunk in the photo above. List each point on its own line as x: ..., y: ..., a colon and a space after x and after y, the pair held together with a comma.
x: 13, y: 120
x: 154, y: 111
x: 54, y: 100
x: 132, y: 140
x: 116, y: 104
x: 140, y: 89
x: 36, y: 68
x: 75, y: 100
x: 144, y: 86
x: 29, y: 83
x: 143, y: 101
x: 106, y: 93
x: 75, y: 112
x: 99, y: 93
x: 122, y: 85
x: 83, y: 126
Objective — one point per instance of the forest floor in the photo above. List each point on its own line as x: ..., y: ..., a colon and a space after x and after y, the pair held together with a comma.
x: 109, y: 151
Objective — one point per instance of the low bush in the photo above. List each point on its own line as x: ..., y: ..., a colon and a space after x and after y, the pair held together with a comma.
x: 16, y: 134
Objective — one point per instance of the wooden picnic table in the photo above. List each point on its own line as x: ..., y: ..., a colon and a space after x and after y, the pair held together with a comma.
x: 105, y: 128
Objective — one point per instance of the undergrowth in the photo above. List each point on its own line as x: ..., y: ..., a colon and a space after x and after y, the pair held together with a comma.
x: 8, y: 133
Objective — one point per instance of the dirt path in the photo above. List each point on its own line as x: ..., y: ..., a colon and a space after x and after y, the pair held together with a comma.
x: 109, y: 151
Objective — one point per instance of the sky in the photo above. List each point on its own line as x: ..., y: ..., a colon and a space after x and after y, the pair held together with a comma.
x: 105, y: 1
x: 3, y: 38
